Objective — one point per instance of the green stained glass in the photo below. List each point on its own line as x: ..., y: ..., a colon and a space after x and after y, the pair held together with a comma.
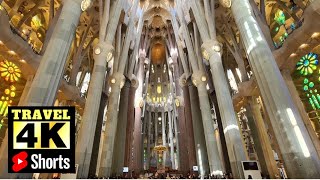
x: 318, y: 97
x: 311, y: 84
x: 305, y: 88
x: 316, y: 102
x: 277, y: 29
x: 312, y: 104
x: 307, y: 64
x: 280, y: 18
x: 305, y: 81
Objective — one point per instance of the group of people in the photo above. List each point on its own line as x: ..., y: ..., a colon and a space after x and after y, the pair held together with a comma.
x: 157, y: 175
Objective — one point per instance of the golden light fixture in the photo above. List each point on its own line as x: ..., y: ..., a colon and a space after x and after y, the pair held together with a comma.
x: 12, y: 52
x: 226, y: 3
x: 177, y: 102
x: 9, y: 71
x: 159, y: 89
x: 293, y: 54
x: 97, y: 50
x: 303, y: 46
x: 216, y: 48
x: 86, y: 4
x: 203, y: 78
x: 315, y: 35
x: 36, y: 22
x: 205, y: 54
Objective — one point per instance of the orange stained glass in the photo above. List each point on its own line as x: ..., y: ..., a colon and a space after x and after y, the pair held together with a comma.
x: 9, y: 71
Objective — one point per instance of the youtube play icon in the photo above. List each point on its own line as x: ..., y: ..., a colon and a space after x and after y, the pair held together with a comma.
x: 19, y: 161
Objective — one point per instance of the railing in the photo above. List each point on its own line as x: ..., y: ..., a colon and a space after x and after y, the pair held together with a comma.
x: 22, y: 35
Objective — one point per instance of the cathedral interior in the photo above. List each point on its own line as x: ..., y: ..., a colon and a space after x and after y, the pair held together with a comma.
x: 170, y: 86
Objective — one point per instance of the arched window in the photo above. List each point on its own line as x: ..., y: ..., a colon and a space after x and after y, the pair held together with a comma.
x: 308, y: 66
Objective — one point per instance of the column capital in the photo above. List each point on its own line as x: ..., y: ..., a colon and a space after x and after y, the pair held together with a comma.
x: 210, y: 47
x: 134, y: 81
x: 179, y: 101
x: 199, y: 77
x: 174, y: 54
x: 103, y: 49
x: 117, y: 79
x: 183, y: 80
x: 226, y: 3
x: 142, y: 53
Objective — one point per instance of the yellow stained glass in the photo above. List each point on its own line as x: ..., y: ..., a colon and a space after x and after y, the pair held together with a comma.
x: 36, y: 22
x: 5, y: 101
x: 9, y: 71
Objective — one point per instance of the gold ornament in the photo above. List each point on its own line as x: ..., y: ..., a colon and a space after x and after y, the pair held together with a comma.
x: 225, y: 3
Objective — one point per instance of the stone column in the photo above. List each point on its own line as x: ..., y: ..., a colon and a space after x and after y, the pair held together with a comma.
x: 264, y: 139
x: 199, y: 139
x: 149, y: 140
x: 129, y: 134
x: 50, y: 71
x: 171, y: 140
x: 119, y: 148
x: 45, y: 84
x: 192, y: 160
x: 97, y: 136
x: 297, y: 101
x: 164, y: 141
x: 184, y: 138
x: 117, y: 80
x: 175, y: 126
x: 199, y: 79
x: 298, y: 152
x: 90, y: 114
x: 144, y: 136
x: 155, y: 128
x: 26, y: 89
x: 223, y: 144
x: 235, y: 147
x: 116, y: 83
x: 137, y: 134
x: 257, y: 143
x: 212, y: 149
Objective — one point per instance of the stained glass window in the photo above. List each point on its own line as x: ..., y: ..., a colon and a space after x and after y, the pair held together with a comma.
x: 36, y: 22
x: 280, y: 18
x: 9, y: 71
x: 307, y: 64
x: 6, y: 99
